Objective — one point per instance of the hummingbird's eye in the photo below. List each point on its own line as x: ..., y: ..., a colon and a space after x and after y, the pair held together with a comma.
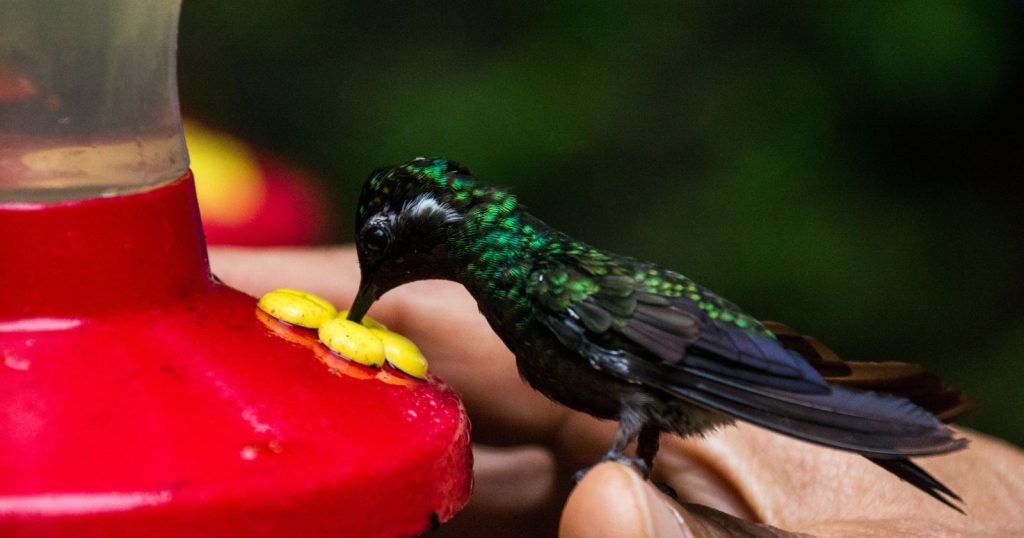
x: 376, y: 238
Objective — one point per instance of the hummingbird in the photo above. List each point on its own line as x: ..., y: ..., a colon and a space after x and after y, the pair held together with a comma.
x: 624, y: 339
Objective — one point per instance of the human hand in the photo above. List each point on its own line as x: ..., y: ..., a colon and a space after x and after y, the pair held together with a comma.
x: 733, y: 482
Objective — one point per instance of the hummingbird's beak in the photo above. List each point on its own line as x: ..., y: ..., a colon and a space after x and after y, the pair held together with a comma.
x: 364, y: 299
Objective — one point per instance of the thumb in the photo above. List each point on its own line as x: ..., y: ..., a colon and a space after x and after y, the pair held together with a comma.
x: 613, y: 500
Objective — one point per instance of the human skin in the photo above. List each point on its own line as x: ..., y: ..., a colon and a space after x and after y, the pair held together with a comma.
x: 740, y: 480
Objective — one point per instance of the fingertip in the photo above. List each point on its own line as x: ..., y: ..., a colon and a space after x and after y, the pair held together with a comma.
x: 613, y: 500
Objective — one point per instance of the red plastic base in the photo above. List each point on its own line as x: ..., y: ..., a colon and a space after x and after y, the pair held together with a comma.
x: 140, y: 397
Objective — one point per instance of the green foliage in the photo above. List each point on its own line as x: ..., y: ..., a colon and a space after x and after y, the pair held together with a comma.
x: 845, y: 167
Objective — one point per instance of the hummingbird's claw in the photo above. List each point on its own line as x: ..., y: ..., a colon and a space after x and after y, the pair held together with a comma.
x: 637, y: 464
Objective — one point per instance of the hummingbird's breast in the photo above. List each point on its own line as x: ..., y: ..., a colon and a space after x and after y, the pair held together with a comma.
x: 563, y: 375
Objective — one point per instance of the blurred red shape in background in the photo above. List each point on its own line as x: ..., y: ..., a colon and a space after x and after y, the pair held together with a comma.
x: 249, y: 197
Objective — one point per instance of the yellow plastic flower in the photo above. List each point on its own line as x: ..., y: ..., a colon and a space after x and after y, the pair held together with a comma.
x: 297, y: 307
x: 369, y: 343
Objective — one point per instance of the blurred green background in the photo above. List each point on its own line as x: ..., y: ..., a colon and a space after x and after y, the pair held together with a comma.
x: 846, y: 167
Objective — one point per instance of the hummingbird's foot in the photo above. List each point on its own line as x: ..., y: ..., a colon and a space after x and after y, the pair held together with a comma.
x: 637, y: 464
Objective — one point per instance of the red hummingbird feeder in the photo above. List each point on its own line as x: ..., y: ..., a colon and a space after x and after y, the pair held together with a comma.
x: 138, y: 394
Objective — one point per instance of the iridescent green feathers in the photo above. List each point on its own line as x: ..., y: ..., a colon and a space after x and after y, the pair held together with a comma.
x: 498, y: 244
x: 447, y: 180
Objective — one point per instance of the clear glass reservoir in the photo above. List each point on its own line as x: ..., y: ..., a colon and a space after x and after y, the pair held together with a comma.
x: 88, y: 98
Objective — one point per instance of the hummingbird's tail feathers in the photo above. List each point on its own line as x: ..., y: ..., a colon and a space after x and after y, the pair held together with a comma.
x: 863, y: 422
x: 906, y: 380
x: 870, y: 424
x: 910, y: 381
x: 920, y: 479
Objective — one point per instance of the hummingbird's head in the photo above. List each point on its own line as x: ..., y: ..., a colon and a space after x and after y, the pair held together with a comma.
x: 405, y: 216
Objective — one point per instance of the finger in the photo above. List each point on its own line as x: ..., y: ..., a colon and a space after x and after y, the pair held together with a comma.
x: 514, y: 494
x: 331, y: 272
x: 613, y: 500
x: 512, y: 480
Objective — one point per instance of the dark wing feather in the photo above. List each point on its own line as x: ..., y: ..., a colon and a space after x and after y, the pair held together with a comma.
x: 664, y: 331
x: 672, y: 345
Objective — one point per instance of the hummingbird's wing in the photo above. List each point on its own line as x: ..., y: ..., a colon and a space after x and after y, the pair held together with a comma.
x: 646, y: 333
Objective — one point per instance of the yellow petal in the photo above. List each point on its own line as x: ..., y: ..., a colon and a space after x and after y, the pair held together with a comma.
x: 352, y: 341
x: 401, y: 353
x: 297, y: 307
